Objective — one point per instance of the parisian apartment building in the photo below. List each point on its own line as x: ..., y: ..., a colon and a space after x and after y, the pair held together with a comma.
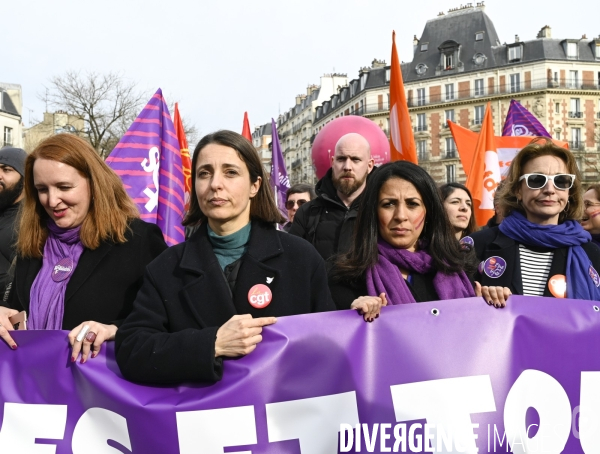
x: 459, y: 65
x: 11, y: 110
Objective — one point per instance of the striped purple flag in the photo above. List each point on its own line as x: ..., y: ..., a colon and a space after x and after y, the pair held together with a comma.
x: 520, y: 122
x: 279, y: 178
x: 148, y: 160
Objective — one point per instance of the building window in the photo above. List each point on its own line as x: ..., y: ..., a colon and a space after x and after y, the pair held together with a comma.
x: 479, y: 87
x: 421, y: 122
x: 479, y: 36
x: 8, y: 135
x: 451, y: 173
x: 450, y: 148
x: 575, y: 108
x: 515, y: 83
x: 479, y: 59
x: 573, y: 79
x: 575, y: 139
x: 387, y: 76
x: 479, y: 112
x: 449, y: 115
x: 449, y: 92
x: 420, y: 96
x: 422, y: 150
x: 557, y: 108
x: 363, y: 80
x: 424, y: 47
x: 421, y: 69
x: 514, y: 53
x: 448, y: 61
x: 572, y: 50
x: 557, y: 135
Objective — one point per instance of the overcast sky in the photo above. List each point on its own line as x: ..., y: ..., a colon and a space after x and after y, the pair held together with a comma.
x: 219, y: 59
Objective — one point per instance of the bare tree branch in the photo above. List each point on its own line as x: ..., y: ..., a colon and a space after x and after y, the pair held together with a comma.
x: 107, y: 103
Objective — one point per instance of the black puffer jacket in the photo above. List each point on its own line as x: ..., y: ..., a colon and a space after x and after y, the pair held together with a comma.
x: 326, y: 222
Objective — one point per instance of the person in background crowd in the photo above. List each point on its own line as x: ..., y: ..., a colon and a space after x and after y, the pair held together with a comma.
x: 539, y: 249
x: 208, y: 298
x: 327, y: 222
x: 12, y: 166
x: 496, y: 219
x: 82, y: 248
x: 458, y: 204
x: 591, y: 213
x: 403, y: 249
x: 296, y: 196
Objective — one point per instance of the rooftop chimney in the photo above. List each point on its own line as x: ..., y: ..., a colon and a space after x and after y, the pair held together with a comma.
x: 545, y: 32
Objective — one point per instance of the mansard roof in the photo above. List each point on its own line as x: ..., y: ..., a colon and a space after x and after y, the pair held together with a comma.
x: 7, y: 104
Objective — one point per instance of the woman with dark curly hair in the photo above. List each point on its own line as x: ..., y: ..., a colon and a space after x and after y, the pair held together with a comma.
x: 404, y: 249
x: 539, y: 249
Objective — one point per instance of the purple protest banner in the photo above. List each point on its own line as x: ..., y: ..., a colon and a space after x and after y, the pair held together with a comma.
x: 448, y: 363
x: 520, y: 122
x: 148, y: 160
x: 279, y: 178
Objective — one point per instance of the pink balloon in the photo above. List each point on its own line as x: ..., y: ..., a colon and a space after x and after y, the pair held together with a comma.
x: 324, y: 145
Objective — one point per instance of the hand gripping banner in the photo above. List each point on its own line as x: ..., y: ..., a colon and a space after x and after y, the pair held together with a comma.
x: 522, y: 379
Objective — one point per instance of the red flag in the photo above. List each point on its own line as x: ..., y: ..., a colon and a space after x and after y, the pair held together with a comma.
x: 186, y: 162
x: 402, y: 141
x: 246, y: 128
x: 484, y: 175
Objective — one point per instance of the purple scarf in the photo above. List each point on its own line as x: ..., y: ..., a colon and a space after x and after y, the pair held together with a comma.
x: 61, y: 255
x: 385, y: 276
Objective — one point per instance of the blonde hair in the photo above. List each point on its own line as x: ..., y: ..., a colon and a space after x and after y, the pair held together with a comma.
x: 110, y: 209
x: 540, y: 146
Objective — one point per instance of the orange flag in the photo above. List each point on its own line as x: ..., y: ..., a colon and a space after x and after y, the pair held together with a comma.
x: 506, y: 146
x: 185, y: 155
x: 246, y: 128
x: 402, y: 141
x: 484, y: 175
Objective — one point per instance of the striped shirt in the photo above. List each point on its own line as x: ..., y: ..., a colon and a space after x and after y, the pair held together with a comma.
x: 535, y: 268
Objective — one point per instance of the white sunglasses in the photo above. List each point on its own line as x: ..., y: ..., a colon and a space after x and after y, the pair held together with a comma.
x: 562, y: 181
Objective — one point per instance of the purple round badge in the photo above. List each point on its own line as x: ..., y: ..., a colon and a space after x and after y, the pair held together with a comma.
x: 494, y: 267
x: 594, y: 275
x: 62, y: 269
x: 467, y: 240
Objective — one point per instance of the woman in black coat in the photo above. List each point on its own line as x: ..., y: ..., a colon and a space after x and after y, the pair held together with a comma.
x: 403, y: 249
x: 82, y: 248
x: 539, y: 249
x: 208, y: 298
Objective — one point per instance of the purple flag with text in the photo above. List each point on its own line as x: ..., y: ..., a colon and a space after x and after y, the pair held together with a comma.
x: 279, y: 178
x: 520, y: 122
x: 148, y: 160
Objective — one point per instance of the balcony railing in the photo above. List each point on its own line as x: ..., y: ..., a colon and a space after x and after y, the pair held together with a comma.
x: 576, y: 145
x: 575, y: 114
x: 297, y: 163
x: 477, y: 122
x: 450, y: 154
x: 423, y: 156
x: 420, y: 128
x: 499, y: 89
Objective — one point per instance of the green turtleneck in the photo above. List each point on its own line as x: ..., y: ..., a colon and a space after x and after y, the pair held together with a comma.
x: 230, y: 248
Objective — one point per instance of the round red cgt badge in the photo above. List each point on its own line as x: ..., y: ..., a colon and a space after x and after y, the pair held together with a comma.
x: 260, y: 296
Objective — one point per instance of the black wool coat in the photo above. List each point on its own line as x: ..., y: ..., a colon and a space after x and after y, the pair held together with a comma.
x: 169, y: 337
x: 344, y: 292
x: 325, y: 221
x: 105, y: 282
x: 493, y: 243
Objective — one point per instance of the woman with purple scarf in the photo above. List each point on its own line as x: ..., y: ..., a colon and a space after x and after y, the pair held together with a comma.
x: 404, y: 249
x: 82, y: 248
x: 539, y: 249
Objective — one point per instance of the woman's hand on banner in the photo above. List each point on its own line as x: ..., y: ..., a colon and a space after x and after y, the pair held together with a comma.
x: 89, y: 337
x: 6, y: 326
x: 369, y: 306
x: 493, y: 296
x: 240, y: 335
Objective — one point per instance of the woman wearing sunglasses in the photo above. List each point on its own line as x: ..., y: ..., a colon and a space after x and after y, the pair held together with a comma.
x: 539, y: 249
x: 296, y: 196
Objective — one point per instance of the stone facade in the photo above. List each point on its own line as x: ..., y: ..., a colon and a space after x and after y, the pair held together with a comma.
x: 11, y: 114
x: 53, y: 123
